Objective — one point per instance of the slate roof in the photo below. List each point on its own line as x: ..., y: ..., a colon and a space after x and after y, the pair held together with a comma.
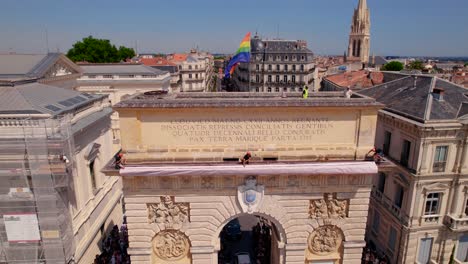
x: 278, y: 46
x: 413, y: 96
x: 116, y: 69
x: 379, y: 60
x: 166, y: 68
x: 14, y: 67
x: 37, y: 98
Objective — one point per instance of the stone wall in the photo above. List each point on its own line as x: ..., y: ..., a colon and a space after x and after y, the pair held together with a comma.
x: 286, y: 203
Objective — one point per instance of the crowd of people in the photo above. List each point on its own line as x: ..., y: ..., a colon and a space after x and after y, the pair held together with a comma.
x: 370, y: 256
x: 114, y: 247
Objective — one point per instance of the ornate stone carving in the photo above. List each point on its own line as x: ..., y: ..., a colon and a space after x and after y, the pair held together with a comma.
x: 325, y: 240
x: 171, y: 245
x: 168, y: 212
x: 58, y: 70
x: 329, y: 207
x: 250, y: 195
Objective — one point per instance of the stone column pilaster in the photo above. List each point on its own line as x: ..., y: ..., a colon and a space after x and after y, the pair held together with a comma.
x: 295, y: 253
x: 204, y: 255
x: 353, y: 251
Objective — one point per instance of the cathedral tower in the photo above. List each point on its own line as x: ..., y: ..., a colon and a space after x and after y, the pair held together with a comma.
x: 359, y: 38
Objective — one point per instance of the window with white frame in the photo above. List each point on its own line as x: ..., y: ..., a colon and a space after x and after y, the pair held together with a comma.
x: 269, y: 67
x: 190, y: 76
x: 277, y: 89
x: 462, y: 249
x: 294, y: 67
x: 277, y: 78
x: 257, y: 78
x: 286, y: 67
x: 269, y: 78
x: 257, y: 67
x: 285, y: 78
x: 425, y: 248
x: 293, y: 79
x: 440, y: 159
x: 432, y: 204
x: 269, y: 89
x: 278, y: 67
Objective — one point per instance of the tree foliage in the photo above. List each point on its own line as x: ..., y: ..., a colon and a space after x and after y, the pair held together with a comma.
x: 392, y: 66
x: 416, y: 65
x: 98, y: 51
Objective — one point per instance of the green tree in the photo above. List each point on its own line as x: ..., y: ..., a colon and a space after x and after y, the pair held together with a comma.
x: 416, y: 65
x: 392, y: 66
x: 126, y: 53
x: 98, y: 51
x: 466, y: 64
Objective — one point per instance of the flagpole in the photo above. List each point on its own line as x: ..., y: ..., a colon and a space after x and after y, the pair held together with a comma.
x: 249, y: 76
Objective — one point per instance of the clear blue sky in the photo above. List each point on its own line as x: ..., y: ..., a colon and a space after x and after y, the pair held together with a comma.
x: 399, y: 27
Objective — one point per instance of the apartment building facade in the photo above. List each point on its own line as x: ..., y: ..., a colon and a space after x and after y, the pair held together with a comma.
x: 419, y: 204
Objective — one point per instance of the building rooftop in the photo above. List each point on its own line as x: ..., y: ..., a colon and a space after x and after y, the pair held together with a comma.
x: 421, y: 98
x: 357, y: 80
x: 278, y: 46
x: 17, y: 67
x: 40, y: 99
x: 118, y: 68
x: 223, y: 100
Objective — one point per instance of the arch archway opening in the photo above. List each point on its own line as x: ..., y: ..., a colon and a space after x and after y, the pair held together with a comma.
x: 249, y: 238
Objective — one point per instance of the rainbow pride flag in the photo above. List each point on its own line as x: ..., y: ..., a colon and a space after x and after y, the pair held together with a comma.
x: 242, y: 55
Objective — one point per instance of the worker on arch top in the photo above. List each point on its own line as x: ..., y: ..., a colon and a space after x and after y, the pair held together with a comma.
x: 305, y: 92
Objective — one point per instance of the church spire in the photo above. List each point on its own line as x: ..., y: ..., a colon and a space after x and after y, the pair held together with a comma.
x: 362, y: 6
x: 359, y: 38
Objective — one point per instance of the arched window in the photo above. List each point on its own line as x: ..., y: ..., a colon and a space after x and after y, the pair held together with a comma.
x: 359, y: 49
x: 354, y: 48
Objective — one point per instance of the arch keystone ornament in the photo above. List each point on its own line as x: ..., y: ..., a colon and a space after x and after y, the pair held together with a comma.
x: 171, y: 245
x: 250, y: 195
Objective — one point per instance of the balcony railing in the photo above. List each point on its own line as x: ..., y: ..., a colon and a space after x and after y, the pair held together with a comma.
x: 390, y: 205
x: 456, y: 224
x: 430, y: 219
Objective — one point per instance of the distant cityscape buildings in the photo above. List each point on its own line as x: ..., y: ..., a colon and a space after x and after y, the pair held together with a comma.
x: 277, y: 66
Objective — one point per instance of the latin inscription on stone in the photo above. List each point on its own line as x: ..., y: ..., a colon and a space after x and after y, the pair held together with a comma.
x: 231, y: 130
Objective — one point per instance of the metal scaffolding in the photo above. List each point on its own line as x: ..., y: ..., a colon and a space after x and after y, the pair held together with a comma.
x: 36, y: 188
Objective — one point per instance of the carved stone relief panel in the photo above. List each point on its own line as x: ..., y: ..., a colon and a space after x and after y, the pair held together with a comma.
x: 328, y: 207
x: 325, y: 240
x: 207, y: 182
x: 168, y: 212
x: 171, y: 245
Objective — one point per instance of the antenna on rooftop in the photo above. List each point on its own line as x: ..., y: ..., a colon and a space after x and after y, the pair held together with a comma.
x: 47, y: 40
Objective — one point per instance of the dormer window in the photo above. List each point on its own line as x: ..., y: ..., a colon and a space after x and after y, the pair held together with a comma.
x: 438, y: 94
